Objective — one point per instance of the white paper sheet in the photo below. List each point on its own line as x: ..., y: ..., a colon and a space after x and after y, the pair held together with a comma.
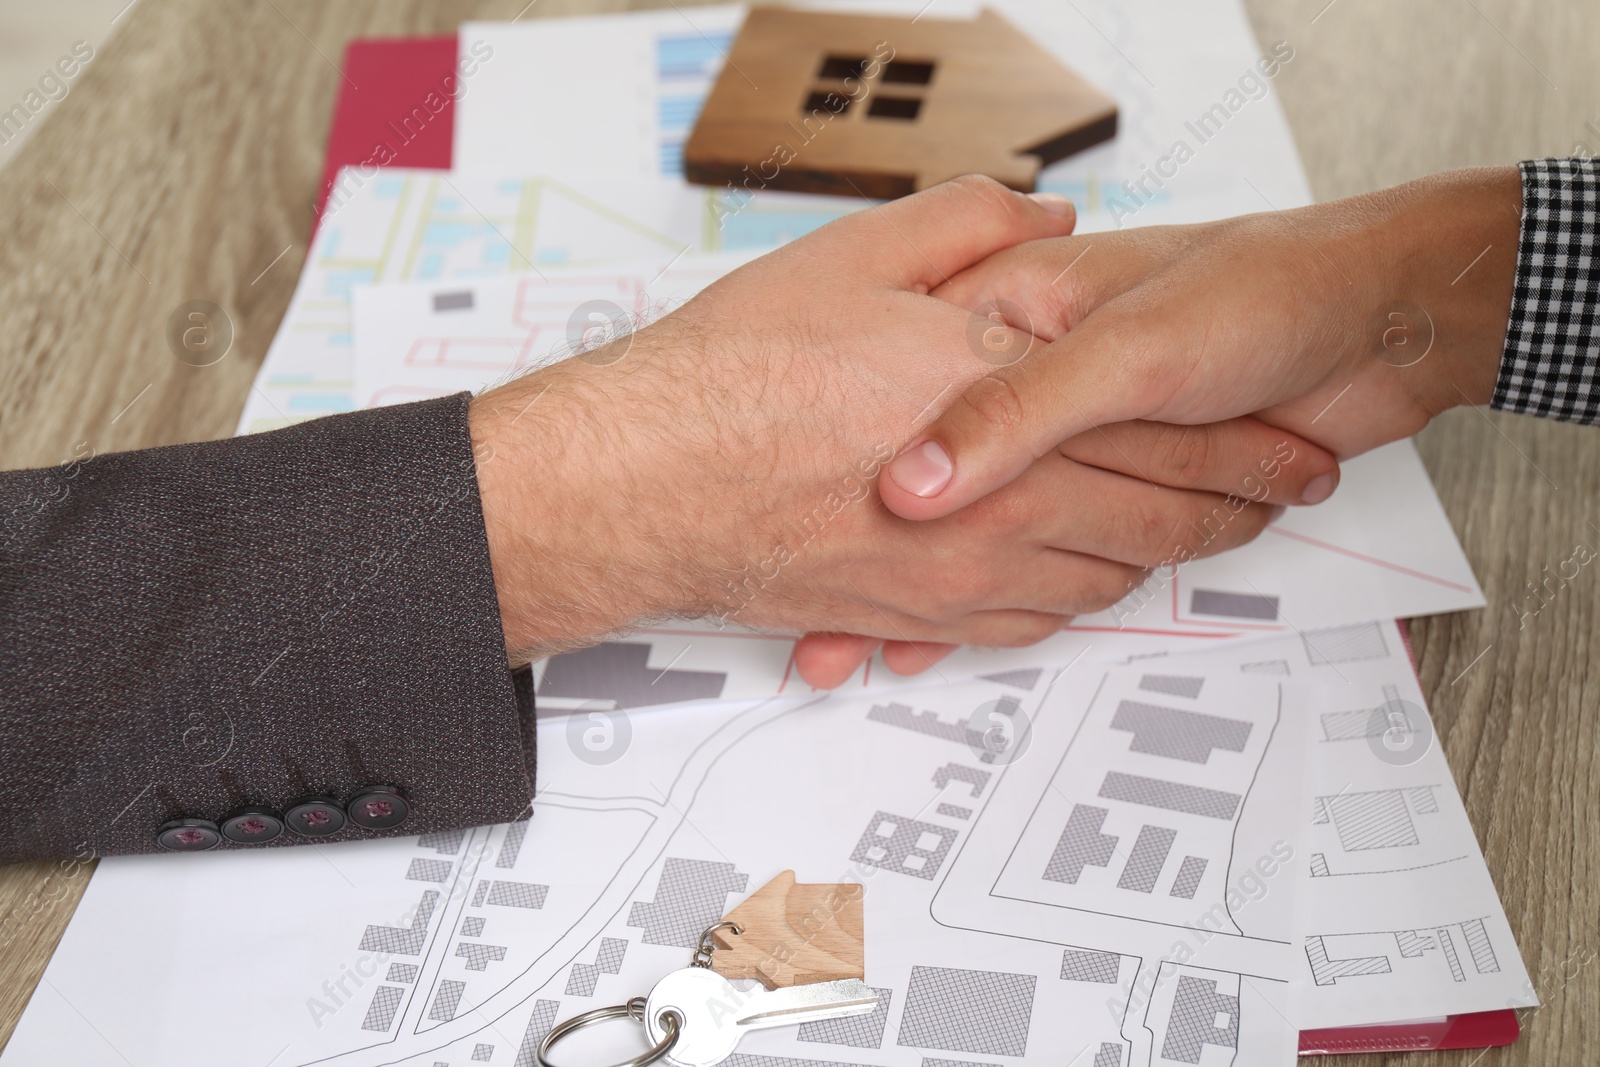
x: 1398, y: 916
x: 622, y: 91
x: 1402, y: 919
x: 423, y: 950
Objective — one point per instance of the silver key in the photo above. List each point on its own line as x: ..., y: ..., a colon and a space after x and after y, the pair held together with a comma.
x: 713, y: 1015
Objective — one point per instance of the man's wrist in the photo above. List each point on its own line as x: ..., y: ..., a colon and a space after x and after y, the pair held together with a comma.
x: 569, y: 543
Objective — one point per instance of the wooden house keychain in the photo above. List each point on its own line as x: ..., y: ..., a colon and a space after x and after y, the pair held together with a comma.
x: 803, y: 943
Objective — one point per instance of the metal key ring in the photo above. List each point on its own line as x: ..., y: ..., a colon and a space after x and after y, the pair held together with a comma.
x: 671, y: 1021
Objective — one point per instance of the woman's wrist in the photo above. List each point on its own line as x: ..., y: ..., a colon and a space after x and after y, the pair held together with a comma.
x: 1443, y: 252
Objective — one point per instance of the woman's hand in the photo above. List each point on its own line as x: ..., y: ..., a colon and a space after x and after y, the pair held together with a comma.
x: 1351, y: 323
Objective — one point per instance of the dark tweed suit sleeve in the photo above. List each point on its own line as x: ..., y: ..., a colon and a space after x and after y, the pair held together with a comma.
x: 203, y: 630
x: 1551, y: 362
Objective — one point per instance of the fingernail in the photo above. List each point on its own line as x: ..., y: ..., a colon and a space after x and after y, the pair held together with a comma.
x: 1276, y: 513
x: 1319, y: 489
x: 924, y: 470
x: 1054, y: 203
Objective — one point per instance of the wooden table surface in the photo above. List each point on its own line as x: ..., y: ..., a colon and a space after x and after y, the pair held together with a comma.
x: 183, y: 162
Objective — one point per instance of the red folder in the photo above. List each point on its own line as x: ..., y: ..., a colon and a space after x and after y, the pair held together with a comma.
x: 396, y: 107
x: 1483, y: 1029
x: 385, y: 117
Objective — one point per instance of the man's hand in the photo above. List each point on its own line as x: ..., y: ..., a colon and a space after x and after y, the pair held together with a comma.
x: 1351, y: 323
x: 1141, y: 493
x: 719, y: 462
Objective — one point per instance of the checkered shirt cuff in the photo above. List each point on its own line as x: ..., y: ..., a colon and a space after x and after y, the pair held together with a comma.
x: 1551, y: 362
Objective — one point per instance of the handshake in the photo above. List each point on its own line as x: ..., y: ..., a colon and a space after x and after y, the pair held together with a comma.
x: 949, y: 420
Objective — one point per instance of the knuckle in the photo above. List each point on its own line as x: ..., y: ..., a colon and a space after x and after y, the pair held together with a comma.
x: 991, y: 195
x: 1188, y: 453
x: 1006, y: 512
x: 984, y: 186
x: 1016, y: 629
x: 1161, y: 533
x: 957, y: 589
x: 1130, y: 579
x: 1043, y: 627
x: 1146, y: 533
x: 997, y: 405
x: 974, y: 587
x: 1248, y: 523
x: 1219, y: 526
x: 1109, y: 585
x: 922, y: 601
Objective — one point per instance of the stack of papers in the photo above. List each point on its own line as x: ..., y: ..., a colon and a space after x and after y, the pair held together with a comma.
x: 1181, y: 832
